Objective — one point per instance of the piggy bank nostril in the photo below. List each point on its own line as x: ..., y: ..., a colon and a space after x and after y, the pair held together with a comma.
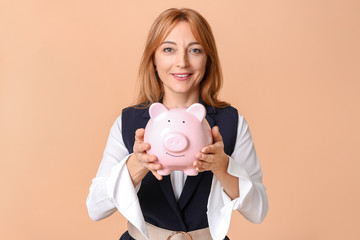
x: 175, y: 142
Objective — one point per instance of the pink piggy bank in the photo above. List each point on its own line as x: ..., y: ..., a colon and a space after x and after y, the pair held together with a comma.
x: 176, y: 135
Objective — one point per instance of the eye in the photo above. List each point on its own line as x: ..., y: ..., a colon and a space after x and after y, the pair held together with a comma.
x: 169, y: 120
x: 195, y: 50
x: 168, y: 50
x: 183, y: 121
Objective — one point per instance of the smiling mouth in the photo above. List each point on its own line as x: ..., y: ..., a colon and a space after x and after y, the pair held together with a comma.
x: 181, y: 76
x: 175, y: 155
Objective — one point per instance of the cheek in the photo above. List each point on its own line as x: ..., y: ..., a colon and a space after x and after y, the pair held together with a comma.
x: 200, y: 64
x: 163, y: 63
x: 200, y: 67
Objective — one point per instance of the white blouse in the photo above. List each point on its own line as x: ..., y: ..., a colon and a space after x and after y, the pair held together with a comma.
x: 112, y: 188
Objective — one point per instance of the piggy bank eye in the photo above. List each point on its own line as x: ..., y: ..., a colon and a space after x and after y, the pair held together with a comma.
x: 183, y: 121
x: 169, y: 120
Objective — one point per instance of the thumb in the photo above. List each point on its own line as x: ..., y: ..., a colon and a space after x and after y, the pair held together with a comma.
x: 139, y: 134
x: 216, y: 134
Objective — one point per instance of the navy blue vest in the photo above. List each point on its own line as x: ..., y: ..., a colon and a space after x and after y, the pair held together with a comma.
x: 157, y: 199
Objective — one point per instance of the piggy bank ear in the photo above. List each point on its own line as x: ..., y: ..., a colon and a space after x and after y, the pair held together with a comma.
x: 156, y: 109
x: 198, y: 110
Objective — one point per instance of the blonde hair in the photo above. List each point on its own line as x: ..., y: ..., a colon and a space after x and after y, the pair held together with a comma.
x: 150, y: 87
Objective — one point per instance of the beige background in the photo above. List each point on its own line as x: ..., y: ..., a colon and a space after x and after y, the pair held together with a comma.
x: 67, y: 68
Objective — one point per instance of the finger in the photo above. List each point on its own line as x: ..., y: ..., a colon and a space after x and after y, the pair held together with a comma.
x: 214, y: 148
x: 158, y: 176
x: 146, y: 158
x: 204, y: 157
x: 216, y: 134
x: 154, y: 166
x: 209, y: 149
x: 201, y: 164
x: 141, y: 147
x: 200, y: 156
x: 198, y: 167
x: 139, y: 134
x: 195, y: 163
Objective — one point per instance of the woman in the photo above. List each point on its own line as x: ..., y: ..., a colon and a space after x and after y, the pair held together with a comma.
x: 180, y: 66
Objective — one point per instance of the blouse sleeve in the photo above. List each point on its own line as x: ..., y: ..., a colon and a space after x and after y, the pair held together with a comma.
x: 252, y: 202
x: 112, y: 188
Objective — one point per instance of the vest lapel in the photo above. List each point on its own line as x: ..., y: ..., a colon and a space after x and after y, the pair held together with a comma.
x: 167, y: 189
x: 190, y: 186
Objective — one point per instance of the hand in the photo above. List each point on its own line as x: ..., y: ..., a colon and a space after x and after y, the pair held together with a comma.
x: 140, y: 162
x: 213, y: 157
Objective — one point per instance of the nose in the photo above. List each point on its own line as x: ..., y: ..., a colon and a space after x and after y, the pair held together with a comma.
x: 181, y: 59
x: 176, y: 142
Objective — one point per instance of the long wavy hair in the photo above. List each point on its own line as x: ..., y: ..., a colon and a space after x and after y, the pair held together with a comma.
x: 150, y: 88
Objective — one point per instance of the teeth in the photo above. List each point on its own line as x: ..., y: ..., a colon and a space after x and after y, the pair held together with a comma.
x: 185, y: 75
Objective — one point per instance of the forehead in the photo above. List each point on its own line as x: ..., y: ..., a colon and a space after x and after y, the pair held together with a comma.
x: 181, y: 32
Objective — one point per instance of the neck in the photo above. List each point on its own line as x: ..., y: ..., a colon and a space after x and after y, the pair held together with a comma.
x: 172, y: 100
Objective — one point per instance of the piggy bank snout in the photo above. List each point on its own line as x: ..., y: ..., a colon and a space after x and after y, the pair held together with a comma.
x: 176, y: 142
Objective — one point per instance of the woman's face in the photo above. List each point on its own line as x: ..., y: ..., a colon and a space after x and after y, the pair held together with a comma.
x: 180, y: 61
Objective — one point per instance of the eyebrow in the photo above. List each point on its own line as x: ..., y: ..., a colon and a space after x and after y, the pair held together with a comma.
x: 174, y: 43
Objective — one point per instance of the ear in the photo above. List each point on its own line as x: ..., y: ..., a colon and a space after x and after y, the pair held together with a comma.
x: 198, y: 110
x: 156, y: 109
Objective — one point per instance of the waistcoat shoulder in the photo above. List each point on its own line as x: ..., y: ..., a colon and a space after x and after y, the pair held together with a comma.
x: 227, y: 121
x: 131, y: 120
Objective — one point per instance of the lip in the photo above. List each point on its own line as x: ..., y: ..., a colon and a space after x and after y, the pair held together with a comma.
x: 183, y: 155
x: 181, y: 76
